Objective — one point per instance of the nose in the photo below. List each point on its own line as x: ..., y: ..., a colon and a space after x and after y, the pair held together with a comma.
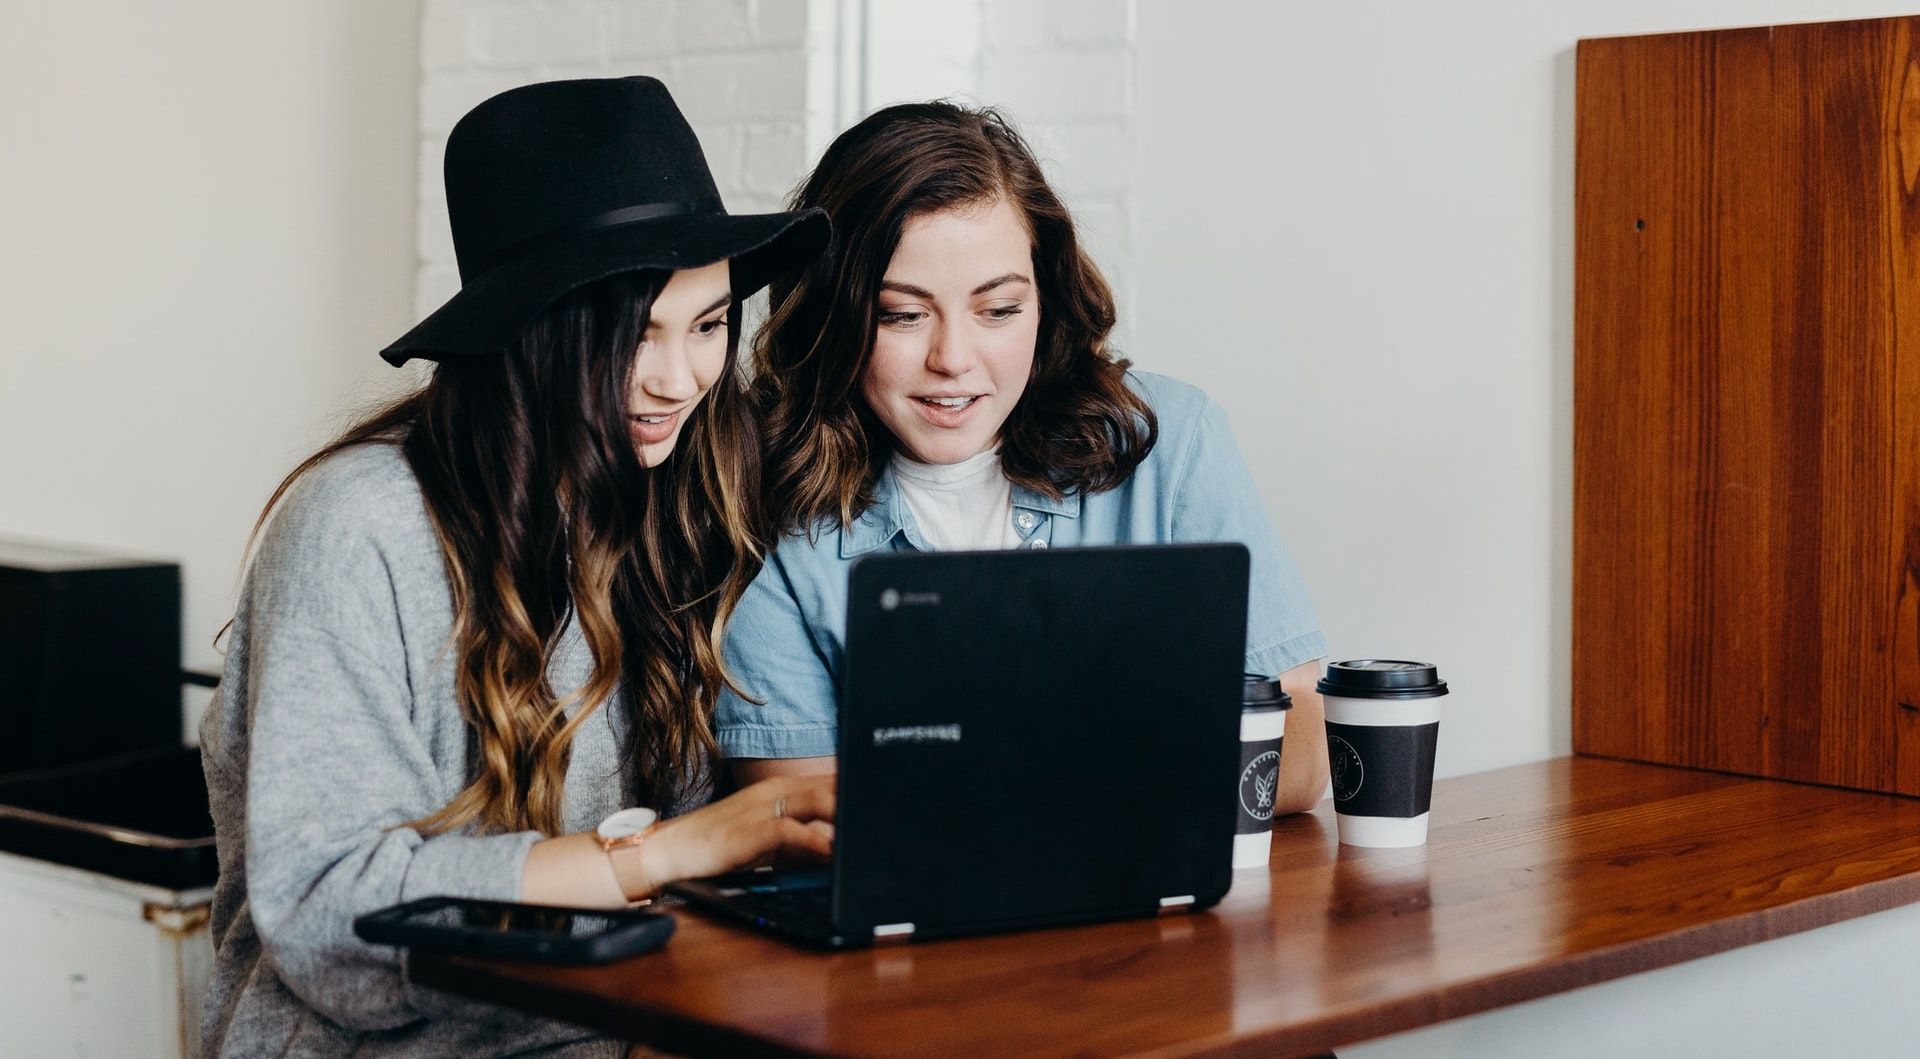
x: 949, y: 353
x: 665, y: 371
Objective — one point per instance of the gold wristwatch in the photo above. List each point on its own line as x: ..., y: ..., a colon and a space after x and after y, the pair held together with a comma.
x: 626, y: 828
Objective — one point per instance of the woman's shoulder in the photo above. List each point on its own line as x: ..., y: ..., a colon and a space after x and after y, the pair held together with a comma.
x: 357, y: 487
x: 1168, y: 396
x: 1179, y: 407
x: 349, y: 552
x: 355, y: 503
x: 807, y: 547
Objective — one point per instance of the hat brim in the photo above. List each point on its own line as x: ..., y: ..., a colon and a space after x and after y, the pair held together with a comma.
x: 491, y: 308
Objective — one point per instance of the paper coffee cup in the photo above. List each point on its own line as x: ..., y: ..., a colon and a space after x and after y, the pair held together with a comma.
x: 1383, y: 726
x: 1263, y: 726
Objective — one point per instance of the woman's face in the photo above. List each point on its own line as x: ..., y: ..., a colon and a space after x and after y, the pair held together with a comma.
x: 958, y: 317
x: 681, y: 356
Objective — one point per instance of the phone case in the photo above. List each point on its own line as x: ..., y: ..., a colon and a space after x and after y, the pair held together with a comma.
x: 633, y: 932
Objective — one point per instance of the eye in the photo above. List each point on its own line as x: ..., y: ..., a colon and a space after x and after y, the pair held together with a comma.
x: 900, y: 317
x: 1003, y: 312
x: 709, y: 327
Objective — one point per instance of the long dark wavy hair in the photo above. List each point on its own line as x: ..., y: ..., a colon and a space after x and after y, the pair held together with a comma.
x: 1077, y: 427
x: 544, y: 511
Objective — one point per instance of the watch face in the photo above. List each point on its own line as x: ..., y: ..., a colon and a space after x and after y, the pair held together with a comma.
x: 626, y: 822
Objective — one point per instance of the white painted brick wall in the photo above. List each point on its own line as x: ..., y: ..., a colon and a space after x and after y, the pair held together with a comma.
x: 642, y: 29
x: 921, y: 49
x: 1062, y: 70
x: 767, y: 83
x: 1091, y: 23
x: 743, y: 71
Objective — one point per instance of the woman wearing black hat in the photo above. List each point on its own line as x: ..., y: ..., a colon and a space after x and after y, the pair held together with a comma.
x: 476, y: 649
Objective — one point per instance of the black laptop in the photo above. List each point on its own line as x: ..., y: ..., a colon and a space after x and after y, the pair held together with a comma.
x: 1027, y: 738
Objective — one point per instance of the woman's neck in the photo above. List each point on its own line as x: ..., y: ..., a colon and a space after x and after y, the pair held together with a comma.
x: 969, y: 471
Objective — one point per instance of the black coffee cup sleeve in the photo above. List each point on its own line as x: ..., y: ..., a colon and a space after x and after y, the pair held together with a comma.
x: 1382, y: 771
x: 1259, y: 784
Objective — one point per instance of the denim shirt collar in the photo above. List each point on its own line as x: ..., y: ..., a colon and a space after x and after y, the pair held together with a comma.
x: 888, y: 518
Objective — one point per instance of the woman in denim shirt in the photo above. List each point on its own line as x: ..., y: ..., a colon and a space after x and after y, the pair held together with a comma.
x: 941, y: 380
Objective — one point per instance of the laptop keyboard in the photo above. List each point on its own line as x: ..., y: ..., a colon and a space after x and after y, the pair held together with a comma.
x: 798, y: 907
x: 795, y: 900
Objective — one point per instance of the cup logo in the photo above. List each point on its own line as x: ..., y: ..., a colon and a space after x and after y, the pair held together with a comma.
x: 1257, y: 783
x: 1348, y: 772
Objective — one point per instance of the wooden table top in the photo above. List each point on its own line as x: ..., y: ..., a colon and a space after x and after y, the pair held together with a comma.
x: 1537, y: 879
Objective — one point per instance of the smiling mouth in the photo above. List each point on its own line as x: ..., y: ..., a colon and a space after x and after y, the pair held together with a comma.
x: 655, y: 426
x: 951, y: 404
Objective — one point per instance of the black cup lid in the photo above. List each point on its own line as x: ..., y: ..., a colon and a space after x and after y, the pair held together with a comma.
x: 1382, y: 678
x: 1264, y: 693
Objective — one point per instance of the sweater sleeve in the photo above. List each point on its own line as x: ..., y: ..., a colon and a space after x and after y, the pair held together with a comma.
x: 337, y: 766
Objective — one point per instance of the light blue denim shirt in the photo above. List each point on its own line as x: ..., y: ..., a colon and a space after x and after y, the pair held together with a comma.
x: 785, y: 641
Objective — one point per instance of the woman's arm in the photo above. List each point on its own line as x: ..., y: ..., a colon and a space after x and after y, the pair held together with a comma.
x: 320, y: 750
x: 1303, y: 754
x: 752, y: 770
x: 333, y: 771
x: 772, y: 652
x: 1216, y: 499
x: 785, y: 817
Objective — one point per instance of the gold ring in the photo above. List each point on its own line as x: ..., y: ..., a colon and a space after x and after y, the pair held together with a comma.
x: 780, y: 807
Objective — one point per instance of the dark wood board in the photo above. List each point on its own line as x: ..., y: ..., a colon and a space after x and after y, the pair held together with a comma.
x: 1747, y: 459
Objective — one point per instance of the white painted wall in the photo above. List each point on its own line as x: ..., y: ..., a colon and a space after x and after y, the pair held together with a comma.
x: 767, y: 84
x: 1843, y: 989
x: 206, y: 233
x: 742, y: 71
x: 1353, y: 225
x: 1062, y: 72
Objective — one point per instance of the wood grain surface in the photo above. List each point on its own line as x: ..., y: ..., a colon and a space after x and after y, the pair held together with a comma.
x: 1537, y: 879
x: 1747, y: 402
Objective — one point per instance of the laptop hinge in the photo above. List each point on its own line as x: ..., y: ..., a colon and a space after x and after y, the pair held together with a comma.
x: 1170, y: 905
x: 893, y: 932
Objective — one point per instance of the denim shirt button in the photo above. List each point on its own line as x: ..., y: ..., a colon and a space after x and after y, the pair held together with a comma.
x: 1024, y: 520
x: 1038, y: 542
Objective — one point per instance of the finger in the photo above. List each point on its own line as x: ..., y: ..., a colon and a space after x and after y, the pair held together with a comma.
x: 805, y: 838
x: 814, y: 802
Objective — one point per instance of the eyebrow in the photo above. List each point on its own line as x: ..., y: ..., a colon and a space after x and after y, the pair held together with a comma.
x: 998, y: 281
x: 921, y: 292
x: 720, y: 302
x: 907, y: 289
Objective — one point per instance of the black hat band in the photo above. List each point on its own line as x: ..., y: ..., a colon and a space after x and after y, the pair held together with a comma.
x: 611, y: 219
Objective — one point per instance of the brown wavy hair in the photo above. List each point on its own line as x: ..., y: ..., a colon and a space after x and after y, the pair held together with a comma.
x: 1078, y: 426
x: 543, y: 511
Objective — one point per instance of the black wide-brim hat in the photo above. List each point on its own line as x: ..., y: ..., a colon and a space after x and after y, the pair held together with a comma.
x: 552, y: 186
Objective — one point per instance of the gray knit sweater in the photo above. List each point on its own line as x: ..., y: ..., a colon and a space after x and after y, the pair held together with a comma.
x: 336, y: 721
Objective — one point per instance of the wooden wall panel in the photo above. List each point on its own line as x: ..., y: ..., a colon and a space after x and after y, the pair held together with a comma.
x: 1900, y: 201
x: 1747, y: 402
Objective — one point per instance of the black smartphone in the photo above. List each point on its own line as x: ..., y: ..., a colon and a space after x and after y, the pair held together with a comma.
x: 525, y: 932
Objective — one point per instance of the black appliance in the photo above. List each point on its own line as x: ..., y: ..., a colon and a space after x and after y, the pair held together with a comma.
x: 140, y: 816
x: 89, y: 655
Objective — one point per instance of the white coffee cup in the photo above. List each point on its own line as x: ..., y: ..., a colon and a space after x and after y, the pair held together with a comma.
x: 1263, y: 727
x: 1383, y: 722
